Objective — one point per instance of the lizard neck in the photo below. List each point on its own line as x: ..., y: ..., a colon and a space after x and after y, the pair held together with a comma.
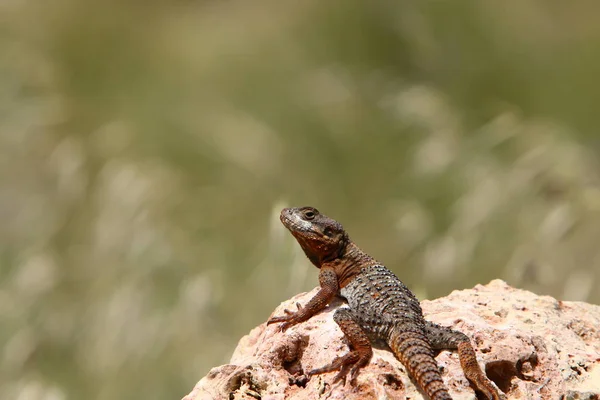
x: 349, y: 263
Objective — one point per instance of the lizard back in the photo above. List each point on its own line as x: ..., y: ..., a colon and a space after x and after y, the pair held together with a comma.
x: 379, y: 300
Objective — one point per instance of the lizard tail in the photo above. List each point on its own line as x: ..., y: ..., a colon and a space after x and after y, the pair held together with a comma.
x: 414, y: 352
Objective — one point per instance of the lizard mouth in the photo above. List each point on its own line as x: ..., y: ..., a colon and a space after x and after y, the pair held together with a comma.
x: 287, y: 218
x: 291, y: 219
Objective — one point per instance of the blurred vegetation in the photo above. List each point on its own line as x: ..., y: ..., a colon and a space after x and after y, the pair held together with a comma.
x: 146, y: 149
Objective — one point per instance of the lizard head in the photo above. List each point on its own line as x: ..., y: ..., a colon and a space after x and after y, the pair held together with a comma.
x: 321, y: 238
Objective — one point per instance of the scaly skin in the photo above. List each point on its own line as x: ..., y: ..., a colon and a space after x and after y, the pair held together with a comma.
x: 380, y: 306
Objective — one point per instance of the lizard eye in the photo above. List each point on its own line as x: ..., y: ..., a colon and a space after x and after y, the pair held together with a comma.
x: 309, y: 214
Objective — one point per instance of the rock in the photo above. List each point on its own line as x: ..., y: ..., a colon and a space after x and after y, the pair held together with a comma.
x: 531, y: 347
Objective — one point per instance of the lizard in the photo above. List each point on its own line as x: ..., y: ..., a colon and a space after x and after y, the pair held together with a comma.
x: 379, y: 308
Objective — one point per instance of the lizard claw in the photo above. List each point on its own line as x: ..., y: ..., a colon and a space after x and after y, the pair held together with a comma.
x: 350, y: 363
x: 283, y: 327
x: 292, y: 313
x: 354, y: 373
x: 340, y: 377
x: 351, y: 371
x: 289, y: 319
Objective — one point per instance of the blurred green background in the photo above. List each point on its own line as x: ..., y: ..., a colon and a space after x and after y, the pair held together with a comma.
x: 146, y: 149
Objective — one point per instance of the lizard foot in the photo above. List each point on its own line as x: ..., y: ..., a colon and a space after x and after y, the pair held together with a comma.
x: 289, y: 319
x: 473, y: 371
x: 350, y: 363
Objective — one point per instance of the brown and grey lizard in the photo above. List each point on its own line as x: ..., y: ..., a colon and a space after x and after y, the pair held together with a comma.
x: 380, y: 307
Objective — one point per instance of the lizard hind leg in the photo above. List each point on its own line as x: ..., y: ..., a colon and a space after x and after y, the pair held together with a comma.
x: 360, y: 349
x: 442, y: 337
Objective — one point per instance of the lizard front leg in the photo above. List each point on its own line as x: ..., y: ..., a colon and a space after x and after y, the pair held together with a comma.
x: 329, y: 288
x: 360, y: 349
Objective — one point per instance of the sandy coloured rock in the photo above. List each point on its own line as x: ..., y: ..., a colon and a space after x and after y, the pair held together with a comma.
x: 530, y: 346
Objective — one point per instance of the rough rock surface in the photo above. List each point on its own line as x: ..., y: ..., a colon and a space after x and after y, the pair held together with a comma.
x: 531, y: 347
